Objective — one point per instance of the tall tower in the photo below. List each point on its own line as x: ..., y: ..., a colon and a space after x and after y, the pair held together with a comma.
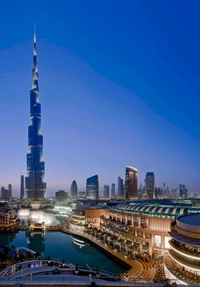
x: 10, y: 190
x: 35, y: 187
x: 120, y: 187
x: 131, y: 182
x: 150, y: 185
x: 22, y: 187
x: 92, y: 187
x: 74, y: 190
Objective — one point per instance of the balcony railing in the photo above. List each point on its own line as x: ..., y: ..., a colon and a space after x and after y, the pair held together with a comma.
x: 184, y: 250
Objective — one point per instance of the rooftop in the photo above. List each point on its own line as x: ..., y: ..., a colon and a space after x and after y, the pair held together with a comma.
x: 193, y: 219
x: 152, y: 209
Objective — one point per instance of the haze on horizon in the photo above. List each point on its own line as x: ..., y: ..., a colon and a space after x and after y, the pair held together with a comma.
x: 119, y: 85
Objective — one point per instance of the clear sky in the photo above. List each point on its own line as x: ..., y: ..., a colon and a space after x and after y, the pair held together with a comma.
x: 119, y: 84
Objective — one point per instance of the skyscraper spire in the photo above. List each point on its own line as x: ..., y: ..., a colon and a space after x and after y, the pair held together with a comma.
x: 35, y: 187
x: 35, y: 64
x: 34, y: 32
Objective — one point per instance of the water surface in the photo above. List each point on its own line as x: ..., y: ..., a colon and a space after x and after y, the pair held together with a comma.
x: 59, y: 245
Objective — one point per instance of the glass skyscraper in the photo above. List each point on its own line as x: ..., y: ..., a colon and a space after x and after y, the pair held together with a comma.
x: 150, y: 185
x: 35, y: 186
x: 74, y: 190
x: 120, y: 187
x: 131, y: 182
x: 92, y: 187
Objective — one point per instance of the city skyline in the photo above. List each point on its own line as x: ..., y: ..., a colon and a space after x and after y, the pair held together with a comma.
x: 140, y: 110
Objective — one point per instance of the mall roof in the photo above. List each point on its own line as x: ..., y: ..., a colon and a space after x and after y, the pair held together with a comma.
x: 152, y: 209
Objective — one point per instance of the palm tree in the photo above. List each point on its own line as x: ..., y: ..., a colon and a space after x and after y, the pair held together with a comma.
x: 135, y: 249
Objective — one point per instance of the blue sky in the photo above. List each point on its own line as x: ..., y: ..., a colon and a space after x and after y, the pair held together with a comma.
x: 119, y: 84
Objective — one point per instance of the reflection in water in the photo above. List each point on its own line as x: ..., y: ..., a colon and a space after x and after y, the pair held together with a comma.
x: 6, y: 238
x: 26, y: 217
x: 36, y: 241
x: 59, y: 245
x: 83, y: 246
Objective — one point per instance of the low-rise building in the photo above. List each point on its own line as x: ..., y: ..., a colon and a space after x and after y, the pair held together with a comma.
x: 8, y: 218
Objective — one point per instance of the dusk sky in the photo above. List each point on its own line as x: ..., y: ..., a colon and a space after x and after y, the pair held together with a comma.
x: 119, y: 85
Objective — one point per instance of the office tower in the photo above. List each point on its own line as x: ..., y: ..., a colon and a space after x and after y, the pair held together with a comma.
x: 131, y: 182
x: 106, y: 191
x: 150, y: 185
x: 22, y: 187
x: 61, y: 196
x: 35, y: 186
x: 120, y: 187
x: 92, y: 187
x: 182, y: 191
x: 10, y: 190
x: 112, y: 190
x: 74, y: 190
x: 5, y: 195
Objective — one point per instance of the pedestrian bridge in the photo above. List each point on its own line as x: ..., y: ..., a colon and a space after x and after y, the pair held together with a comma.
x: 25, y: 249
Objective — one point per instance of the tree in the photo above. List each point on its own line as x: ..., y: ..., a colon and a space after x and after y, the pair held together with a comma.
x: 167, y: 282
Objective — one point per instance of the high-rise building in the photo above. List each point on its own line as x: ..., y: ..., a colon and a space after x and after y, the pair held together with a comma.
x: 5, y: 195
x: 92, y: 187
x: 74, y: 190
x: 35, y: 186
x: 10, y: 190
x: 150, y: 185
x: 22, y: 187
x: 112, y: 190
x: 131, y: 182
x: 120, y: 187
x: 182, y: 191
x: 61, y: 196
x: 106, y: 191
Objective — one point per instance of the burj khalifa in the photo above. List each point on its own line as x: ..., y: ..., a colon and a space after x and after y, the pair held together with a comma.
x: 35, y: 186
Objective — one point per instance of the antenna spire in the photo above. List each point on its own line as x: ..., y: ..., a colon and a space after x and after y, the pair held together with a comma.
x: 35, y: 64
x: 34, y: 32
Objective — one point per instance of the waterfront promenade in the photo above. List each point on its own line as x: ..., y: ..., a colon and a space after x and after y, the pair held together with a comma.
x: 135, y: 268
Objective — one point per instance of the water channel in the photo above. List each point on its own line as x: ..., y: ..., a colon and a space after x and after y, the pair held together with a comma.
x: 59, y: 245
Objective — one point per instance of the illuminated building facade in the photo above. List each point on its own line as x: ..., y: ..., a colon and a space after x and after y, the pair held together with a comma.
x: 183, y: 261
x: 150, y: 185
x: 131, y: 182
x: 92, y: 187
x: 35, y: 186
x: 146, y: 225
x: 8, y: 218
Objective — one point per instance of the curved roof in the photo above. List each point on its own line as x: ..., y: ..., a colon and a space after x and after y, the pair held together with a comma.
x: 185, y: 239
x: 152, y: 209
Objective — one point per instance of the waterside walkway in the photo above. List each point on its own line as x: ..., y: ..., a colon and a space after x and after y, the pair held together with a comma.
x: 136, y: 268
